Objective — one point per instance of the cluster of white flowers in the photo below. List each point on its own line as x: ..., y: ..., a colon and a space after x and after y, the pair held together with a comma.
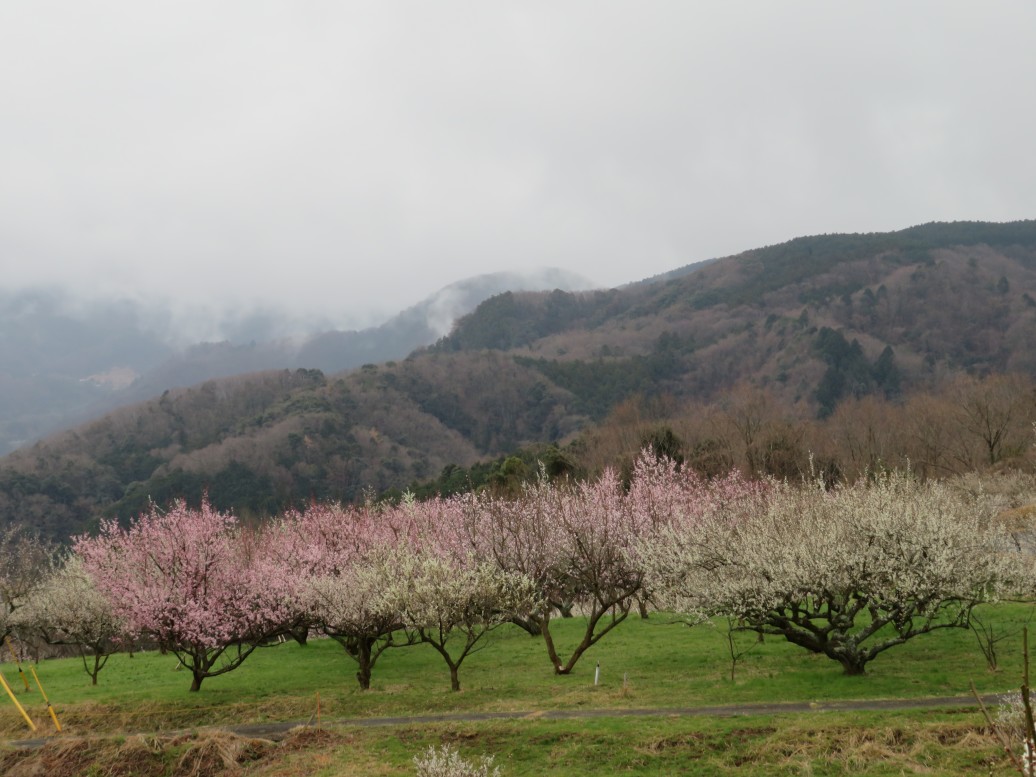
x: 447, y: 762
x: 354, y: 600
x: 68, y: 608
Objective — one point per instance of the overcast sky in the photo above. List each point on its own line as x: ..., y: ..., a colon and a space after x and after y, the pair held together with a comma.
x: 350, y: 158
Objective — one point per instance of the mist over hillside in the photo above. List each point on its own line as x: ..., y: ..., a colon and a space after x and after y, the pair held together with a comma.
x: 64, y: 359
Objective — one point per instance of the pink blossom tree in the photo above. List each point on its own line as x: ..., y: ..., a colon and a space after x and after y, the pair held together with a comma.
x: 192, y: 580
x: 599, y: 524
x: 579, y: 542
x: 574, y: 541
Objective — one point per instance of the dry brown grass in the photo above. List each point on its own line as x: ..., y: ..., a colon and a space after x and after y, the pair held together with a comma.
x: 220, y: 753
x: 849, y: 749
x: 840, y: 746
x: 211, y: 754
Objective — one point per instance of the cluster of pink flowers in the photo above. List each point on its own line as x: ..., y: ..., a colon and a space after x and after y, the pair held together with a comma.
x: 198, y: 582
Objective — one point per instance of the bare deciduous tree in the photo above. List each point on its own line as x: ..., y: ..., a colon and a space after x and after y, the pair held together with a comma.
x: 25, y: 559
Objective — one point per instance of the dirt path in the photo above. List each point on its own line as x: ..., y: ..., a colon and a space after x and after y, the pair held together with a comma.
x: 276, y: 730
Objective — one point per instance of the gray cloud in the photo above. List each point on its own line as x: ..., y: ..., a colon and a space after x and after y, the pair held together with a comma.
x: 346, y: 159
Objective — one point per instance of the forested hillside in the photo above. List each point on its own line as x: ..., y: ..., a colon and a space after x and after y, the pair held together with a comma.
x: 755, y: 361
x: 262, y: 441
x: 919, y: 304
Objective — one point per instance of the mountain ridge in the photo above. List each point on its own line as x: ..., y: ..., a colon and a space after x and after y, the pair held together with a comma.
x: 815, y: 323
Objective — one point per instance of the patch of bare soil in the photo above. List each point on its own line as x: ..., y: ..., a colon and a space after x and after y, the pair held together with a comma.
x: 304, y: 738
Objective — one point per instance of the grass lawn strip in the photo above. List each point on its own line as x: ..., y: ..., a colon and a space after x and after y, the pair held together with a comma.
x: 646, y: 665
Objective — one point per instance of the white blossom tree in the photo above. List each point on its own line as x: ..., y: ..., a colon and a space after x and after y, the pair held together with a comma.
x: 337, y: 563
x: 352, y: 607
x: 847, y: 573
x: 67, y: 609
x: 454, y: 604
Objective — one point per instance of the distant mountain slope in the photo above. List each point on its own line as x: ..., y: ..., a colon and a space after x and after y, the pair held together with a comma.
x: 63, y: 362
x: 56, y: 359
x: 423, y: 323
x: 815, y: 321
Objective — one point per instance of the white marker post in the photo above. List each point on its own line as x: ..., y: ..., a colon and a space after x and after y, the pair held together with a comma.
x: 597, y: 673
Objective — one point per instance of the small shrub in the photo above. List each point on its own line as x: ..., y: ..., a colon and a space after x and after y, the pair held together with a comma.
x: 447, y: 762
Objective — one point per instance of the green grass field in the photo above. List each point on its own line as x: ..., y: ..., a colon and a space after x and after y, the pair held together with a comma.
x: 644, y: 664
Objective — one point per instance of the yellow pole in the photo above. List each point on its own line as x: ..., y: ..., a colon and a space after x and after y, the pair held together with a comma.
x: 7, y: 641
x: 43, y: 693
x: 21, y: 709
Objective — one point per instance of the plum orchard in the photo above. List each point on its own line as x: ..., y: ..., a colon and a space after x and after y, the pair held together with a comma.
x: 848, y: 573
